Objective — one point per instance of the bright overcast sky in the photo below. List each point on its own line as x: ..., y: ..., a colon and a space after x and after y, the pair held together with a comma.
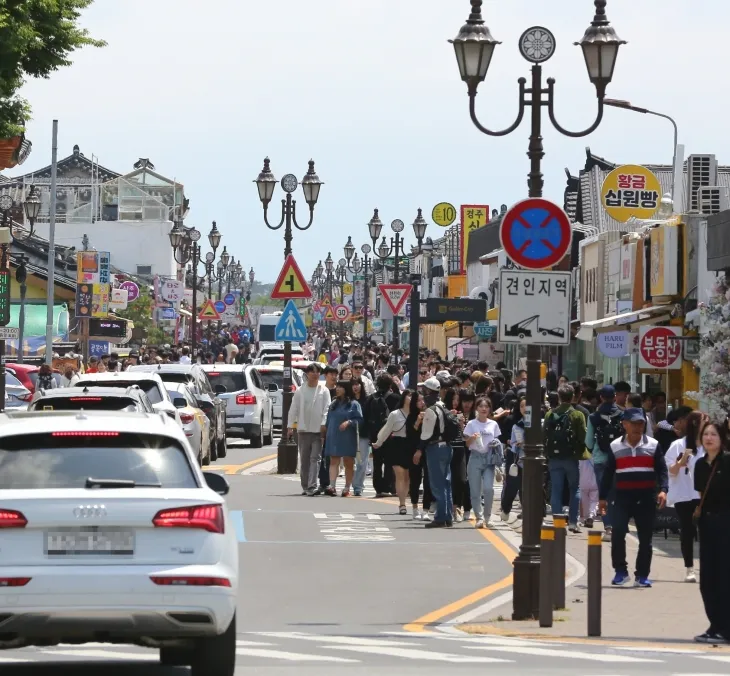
x: 370, y: 90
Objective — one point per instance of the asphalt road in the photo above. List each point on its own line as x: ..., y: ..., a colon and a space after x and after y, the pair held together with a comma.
x: 329, y: 583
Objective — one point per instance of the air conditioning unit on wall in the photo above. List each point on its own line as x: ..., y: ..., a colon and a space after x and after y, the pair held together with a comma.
x: 712, y: 199
x: 701, y: 173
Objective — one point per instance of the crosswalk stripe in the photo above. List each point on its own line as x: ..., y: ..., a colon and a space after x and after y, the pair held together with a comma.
x: 716, y: 658
x: 486, y: 640
x: 573, y: 654
x: 253, y: 644
x: 291, y: 657
x: 13, y: 660
x: 354, y: 640
x: 412, y: 654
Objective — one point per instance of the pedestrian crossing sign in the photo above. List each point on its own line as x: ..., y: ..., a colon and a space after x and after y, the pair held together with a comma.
x: 291, y: 282
x: 208, y: 311
x: 291, y: 327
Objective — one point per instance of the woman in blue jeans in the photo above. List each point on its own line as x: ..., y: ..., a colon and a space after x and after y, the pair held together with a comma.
x: 482, y: 437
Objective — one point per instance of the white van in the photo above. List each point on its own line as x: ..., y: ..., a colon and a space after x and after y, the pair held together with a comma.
x: 266, y: 332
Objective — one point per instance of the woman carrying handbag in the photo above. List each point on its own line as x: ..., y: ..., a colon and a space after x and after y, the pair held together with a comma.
x: 712, y: 481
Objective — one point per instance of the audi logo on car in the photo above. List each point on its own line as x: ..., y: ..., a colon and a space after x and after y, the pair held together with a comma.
x: 90, y: 511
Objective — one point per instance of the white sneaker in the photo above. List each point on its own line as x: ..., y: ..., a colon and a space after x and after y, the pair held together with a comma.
x: 459, y: 516
x: 479, y: 523
x: 467, y: 515
x: 427, y: 516
x: 504, y: 516
x: 690, y: 576
x: 491, y: 524
x: 416, y: 513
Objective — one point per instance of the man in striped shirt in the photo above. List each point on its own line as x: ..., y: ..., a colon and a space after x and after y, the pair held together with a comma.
x: 641, y: 482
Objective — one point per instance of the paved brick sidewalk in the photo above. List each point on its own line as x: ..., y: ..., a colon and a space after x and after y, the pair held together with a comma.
x: 670, y: 613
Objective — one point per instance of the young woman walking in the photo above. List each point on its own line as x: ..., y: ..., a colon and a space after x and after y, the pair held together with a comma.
x: 343, y: 420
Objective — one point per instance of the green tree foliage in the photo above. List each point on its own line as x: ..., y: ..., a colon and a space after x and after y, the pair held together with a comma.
x: 37, y: 37
x: 141, y: 312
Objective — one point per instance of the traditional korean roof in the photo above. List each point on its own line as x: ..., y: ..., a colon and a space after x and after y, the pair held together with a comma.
x: 76, y: 160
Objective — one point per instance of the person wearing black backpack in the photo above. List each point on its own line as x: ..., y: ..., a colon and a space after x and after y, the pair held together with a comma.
x: 604, y: 426
x: 440, y: 427
x: 565, y: 436
x: 377, y: 409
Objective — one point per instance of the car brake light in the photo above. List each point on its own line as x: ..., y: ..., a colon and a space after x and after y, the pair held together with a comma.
x: 191, y: 581
x: 10, y: 518
x: 84, y: 434
x: 246, y: 399
x: 186, y: 418
x: 85, y: 399
x: 206, y: 517
x: 14, y: 581
x: 213, y: 373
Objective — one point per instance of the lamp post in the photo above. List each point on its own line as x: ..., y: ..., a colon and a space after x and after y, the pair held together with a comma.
x: 474, y: 47
x: 356, y: 265
x: 626, y: 105
x: 414, y: 331
x: 311, y: 185
x: 185, y: 249
x: 21, y: 275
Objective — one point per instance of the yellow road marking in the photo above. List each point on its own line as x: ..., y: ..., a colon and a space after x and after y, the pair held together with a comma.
x: 505, y: 550
x: 237, y: 469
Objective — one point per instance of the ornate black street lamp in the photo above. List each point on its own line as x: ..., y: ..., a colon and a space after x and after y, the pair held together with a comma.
x: 355, y: 265
x: 474, y: 48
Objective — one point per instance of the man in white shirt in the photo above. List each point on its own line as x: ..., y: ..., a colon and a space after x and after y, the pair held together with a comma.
x: 308, y: 412
x: 358, y: 371
x: 185, y: 356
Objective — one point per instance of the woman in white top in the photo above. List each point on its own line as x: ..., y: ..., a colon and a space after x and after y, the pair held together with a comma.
x: 394, y: 433
x: 482, y: 437
x: 681, y: 458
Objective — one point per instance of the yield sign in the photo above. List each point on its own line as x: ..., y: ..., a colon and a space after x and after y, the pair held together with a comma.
x: 291, y: 282
x: 395, y: 295
x: 535, y: 233
x: 208, y: 311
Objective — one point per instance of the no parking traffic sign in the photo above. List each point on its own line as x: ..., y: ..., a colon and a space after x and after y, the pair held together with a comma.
x: 535, y: 233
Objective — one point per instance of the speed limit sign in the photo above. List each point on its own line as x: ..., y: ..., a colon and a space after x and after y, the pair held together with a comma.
x: 342, y: 313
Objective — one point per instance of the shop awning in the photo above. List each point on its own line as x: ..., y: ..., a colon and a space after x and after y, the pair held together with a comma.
x: 625, y: 320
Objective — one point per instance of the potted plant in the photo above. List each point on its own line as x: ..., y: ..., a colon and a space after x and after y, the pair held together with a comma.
x: 13, y: 147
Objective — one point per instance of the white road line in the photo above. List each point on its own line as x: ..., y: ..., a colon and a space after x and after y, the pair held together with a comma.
x: 253, y: 644
x: 671, y: 651
x: 13, y: 660
x: 320, y: 515
x: 347, y: 516
x: 348, y: 640
x: 374, y: 517
x: 573, y: 654
x: 102, y: 654
x: 716, y: 658
x: 425, y: 655
x: 466, y: 639
x: 291, y: 657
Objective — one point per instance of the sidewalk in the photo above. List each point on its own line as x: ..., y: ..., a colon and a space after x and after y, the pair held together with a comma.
x: 671, y: 613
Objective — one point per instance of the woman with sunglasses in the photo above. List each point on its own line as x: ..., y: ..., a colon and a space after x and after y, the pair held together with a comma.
x: 681, y: 459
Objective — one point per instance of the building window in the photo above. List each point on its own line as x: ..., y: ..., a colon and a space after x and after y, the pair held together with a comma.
x: 144, y: 269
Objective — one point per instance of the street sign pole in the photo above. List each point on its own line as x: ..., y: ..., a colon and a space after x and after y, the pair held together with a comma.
x: 414, y: 334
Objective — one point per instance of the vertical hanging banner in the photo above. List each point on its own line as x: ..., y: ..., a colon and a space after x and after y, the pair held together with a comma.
x: 4, y: 297
x: 473, y: 217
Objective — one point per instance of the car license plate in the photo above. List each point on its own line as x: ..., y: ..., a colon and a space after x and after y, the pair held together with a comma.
x: 90, y: 542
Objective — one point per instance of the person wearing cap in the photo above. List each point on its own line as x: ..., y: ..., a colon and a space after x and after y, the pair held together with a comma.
x: 438, y: 453
x: 638, y: 472
x: 604, y: 426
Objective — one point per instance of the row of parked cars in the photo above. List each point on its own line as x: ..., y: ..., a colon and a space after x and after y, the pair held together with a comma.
x: 110, y: 531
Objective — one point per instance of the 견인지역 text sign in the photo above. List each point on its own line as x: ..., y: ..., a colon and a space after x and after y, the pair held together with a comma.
x: 534, y: 307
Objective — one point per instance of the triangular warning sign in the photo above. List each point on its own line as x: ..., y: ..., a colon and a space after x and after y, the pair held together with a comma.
x: 395, y: 296
x: 325, y: 302
x: 329, y: 315
x: 291, y: 282
x: 208, y: 311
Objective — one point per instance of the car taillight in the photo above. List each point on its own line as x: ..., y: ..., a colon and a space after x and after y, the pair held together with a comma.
x: 85, y: 434
x: 10, y: 518
x: 206, y: 517
x: 25, y: 397
x: 246, y: 399
x: 14, y: 581
x: 191, y: 581
x: 187, y: 418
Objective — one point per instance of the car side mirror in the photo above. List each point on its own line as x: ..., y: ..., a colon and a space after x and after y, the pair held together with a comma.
x: 179, y: 402
x: 273, y: 387
x: 220, y: 389
x: 217, y: 482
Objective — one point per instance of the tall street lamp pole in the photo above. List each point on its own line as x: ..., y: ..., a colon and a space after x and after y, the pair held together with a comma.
x: 414, y: 330
x: 311, y: 185
x: 356, y: 265
x: 474, y: 47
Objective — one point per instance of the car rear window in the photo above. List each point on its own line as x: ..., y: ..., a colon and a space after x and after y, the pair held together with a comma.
x: 269, y: 377
x: 233, y: 381
x: 87, y: 402
x: 149, y: 387
x: 171, y: 377
x: 67, y: 459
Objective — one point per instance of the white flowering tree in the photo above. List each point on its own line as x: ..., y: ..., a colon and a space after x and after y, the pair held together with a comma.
x: 714, y: 360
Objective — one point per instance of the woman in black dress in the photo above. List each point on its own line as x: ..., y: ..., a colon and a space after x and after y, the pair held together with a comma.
x: 459, y: 483
x: 418, y: 469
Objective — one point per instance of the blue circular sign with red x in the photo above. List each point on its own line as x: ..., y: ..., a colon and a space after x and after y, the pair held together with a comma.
x: 535, y: 233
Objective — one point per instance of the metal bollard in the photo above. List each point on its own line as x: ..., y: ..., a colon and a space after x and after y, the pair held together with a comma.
x: 560, y: 523
x: 547, y: 544
x: 594, y: 582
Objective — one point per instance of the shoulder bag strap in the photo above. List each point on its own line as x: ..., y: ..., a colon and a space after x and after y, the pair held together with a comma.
x: 709, y: 481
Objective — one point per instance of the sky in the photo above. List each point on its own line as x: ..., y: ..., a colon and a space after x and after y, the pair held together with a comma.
x: 370, y: 90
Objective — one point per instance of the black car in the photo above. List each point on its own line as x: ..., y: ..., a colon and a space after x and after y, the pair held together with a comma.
x: 197, y: 380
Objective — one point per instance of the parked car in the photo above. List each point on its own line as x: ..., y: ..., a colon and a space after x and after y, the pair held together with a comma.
x: 121, y: 538
x: 272, y: 377
x: 249, y: 409
x: 150, y: 383
x: 16, y: 394
x: 196, y: 423
x: 131, y: 399
x: 196, y: 379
